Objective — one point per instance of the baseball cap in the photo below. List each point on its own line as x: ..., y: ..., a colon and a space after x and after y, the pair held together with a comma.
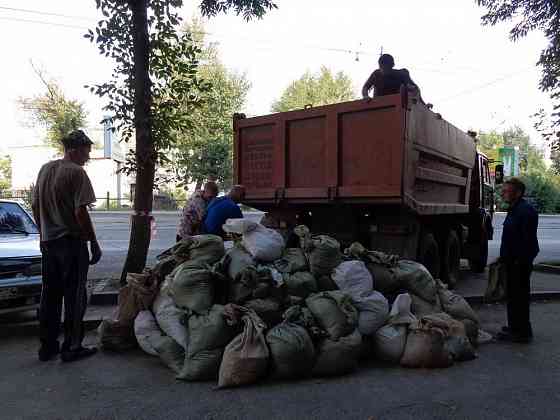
x: 76, y: 139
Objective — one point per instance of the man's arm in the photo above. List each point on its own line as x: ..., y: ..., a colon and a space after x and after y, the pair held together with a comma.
x: 367, y: 86
x: 410, y: 82
x: 88, y: 233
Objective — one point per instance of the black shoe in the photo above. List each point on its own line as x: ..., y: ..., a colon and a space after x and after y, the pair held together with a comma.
x: 81, y: 353
x: 508, y: 330
x: 47, y: 353
x: 514, y: 337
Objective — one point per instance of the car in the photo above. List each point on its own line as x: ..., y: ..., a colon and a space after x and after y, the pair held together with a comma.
x: 20, y: 259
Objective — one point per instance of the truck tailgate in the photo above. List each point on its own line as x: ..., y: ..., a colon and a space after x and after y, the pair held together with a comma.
x: 352, y: 151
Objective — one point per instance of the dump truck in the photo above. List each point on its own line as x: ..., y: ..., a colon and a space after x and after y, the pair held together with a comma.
x: 387, y: 172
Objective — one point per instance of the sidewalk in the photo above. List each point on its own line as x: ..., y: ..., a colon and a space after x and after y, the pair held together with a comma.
x: 507, y: 381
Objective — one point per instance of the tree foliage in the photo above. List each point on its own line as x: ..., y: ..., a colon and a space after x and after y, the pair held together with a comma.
x: 322, y: 88
x: 532, y: 158
x: 54, y: 111
x: 5, y: 173
x: 175, y: 85
x: 204, y: 149
x: 527, y: 16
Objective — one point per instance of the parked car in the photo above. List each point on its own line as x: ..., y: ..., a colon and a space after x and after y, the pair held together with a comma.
x: 20, y: 259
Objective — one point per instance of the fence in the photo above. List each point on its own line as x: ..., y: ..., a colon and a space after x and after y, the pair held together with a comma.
x: 161, y: 202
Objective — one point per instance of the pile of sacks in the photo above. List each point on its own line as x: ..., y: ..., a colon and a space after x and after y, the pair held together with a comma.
x: 261, y: 309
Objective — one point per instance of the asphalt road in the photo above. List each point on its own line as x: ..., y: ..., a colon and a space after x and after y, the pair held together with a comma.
x: 113, y: 231
x: 507, y: 381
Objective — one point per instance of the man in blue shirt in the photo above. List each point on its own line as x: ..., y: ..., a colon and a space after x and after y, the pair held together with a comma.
x: 222, y: 208
x: 518, y: 250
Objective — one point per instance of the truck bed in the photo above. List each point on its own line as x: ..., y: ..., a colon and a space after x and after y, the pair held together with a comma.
x: 387, y: 150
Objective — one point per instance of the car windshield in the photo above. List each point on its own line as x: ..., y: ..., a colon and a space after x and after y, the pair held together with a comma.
x: 13, y: 219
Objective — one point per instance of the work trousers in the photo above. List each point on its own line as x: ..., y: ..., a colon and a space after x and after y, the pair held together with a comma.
x: 65, y: 268
x: 518, y: 296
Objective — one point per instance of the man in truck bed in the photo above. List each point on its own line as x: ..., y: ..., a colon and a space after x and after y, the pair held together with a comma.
x: 386, y: 80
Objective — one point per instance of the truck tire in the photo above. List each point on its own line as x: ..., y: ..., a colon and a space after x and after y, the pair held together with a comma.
x: 451, y: 259
x: 428, y: 254
x: 479, y: 260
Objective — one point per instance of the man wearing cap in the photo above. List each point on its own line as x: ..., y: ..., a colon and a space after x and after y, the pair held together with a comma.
x: 62, y: 193
x: 387, y: 80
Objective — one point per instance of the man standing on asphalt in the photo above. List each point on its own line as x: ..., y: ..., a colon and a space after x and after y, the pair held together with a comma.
x: 62, y: 193
x: 518, y: 250
x: 195, y: 210
x: 223, y: 208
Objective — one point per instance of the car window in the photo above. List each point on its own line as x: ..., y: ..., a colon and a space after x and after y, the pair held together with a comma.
x: 13, y: 219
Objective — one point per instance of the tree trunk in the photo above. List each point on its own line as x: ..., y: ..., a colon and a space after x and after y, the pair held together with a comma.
x: 145, y: 156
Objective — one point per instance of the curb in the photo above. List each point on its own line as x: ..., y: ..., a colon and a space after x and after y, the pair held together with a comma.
x: 546, y: 268
x: 104, y: 298
x: 535, y: 297
x: 31, y: 328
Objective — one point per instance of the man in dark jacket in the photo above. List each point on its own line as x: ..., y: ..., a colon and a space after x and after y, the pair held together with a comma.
x: 518, y: 250
x: 222, y: 208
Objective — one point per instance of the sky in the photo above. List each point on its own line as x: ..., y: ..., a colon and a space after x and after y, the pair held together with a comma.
x: 474, y: 75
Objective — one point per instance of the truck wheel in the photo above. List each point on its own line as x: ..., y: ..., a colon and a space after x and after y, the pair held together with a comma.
x: 428, y: 254
x: 479, y: 261
x: 451, y: 259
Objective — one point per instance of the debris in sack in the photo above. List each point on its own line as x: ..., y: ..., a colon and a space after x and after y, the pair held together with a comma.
x: 199, y: 250
x: 170, y: 352
x: 292, y: 351
x: 323, y: 251
x: 208, y: 334
x: 496, y: 289
x: 334, y: 312
x: 420, y: 307
x: 116, y: 336
x: 292, y: 261
x: 138, y: 295
x: 163, y: 268
x: 170, y: 318
x: 237, y: 261
x: 456, y: 305
x: 146, y: 327
x: 456, y: 341
x: 338, y: 357
x: 268, y: 309
x: 301, y: 283
x: 380, y: 265
x: 425, y: 348
x: 373, y: 312
x: 390, y: 340
x: 245, y: 358
x: 262, y: 243
x: 353, y: 278
x: 302, y: 316
x: 193, y: 288
x: 229, y: 316
x: 415, y: 278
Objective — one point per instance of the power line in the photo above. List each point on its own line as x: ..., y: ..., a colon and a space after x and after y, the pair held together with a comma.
x: 39, y: 12
x: 490, y: 83
x: 43, y: 22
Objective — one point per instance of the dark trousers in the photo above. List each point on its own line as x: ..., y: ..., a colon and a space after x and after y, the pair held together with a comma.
x: 518, y: 297
x: 65, y: 267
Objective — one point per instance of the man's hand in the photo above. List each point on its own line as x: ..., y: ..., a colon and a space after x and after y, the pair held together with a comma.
x: 95, y: 252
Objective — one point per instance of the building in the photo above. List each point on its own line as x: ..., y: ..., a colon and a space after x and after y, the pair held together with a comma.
x: 107, y: 157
